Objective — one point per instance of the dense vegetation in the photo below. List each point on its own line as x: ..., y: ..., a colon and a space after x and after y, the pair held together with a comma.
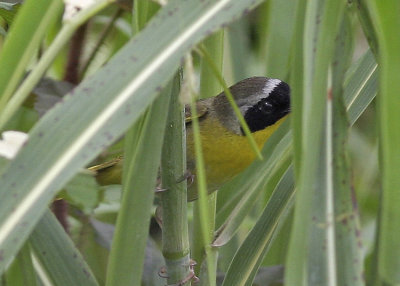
x: 320, y: 208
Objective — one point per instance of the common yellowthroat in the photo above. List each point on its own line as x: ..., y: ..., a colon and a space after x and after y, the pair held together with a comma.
x: 264, y: 104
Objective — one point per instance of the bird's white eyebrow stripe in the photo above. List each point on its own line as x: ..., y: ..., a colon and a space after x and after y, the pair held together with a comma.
x: 270, y: 85
x: 267, y: 89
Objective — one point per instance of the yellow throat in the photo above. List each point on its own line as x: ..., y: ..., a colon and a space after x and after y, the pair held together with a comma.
x: 226, y: 154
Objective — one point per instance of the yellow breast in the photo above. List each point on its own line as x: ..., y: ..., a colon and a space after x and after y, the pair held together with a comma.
x: 225, y: 154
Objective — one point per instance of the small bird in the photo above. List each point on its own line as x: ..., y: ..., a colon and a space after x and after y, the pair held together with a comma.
x: 264, y: 103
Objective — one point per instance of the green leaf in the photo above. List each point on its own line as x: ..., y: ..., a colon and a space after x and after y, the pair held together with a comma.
x: 361, y: 86
x: 251, y: 252
x: 239, y: 44
x: 347, y: 241
x: 9, y: 107
x: 57, y: 255
x: 139, y: 182
x: 99, y: 110
x: 21, y: 272
x: 256, y: 244
x: 24, y: 38
x: 297, y: 83
x: 386, y: 22
x: 94, y: 243
x: 83, y: 191
x: 279, y: 37
x: 367, y: 25
x: 153, y: 260
x: 307, y: 263
x: 110, y: 203
x: 8, y: 11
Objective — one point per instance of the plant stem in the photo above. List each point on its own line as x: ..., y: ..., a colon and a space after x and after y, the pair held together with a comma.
x: 75, y: 55
x: 60, y: 210
x: 175, y: 237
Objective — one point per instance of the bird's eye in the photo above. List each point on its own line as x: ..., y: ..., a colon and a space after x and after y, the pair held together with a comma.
x: 265, y: 107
